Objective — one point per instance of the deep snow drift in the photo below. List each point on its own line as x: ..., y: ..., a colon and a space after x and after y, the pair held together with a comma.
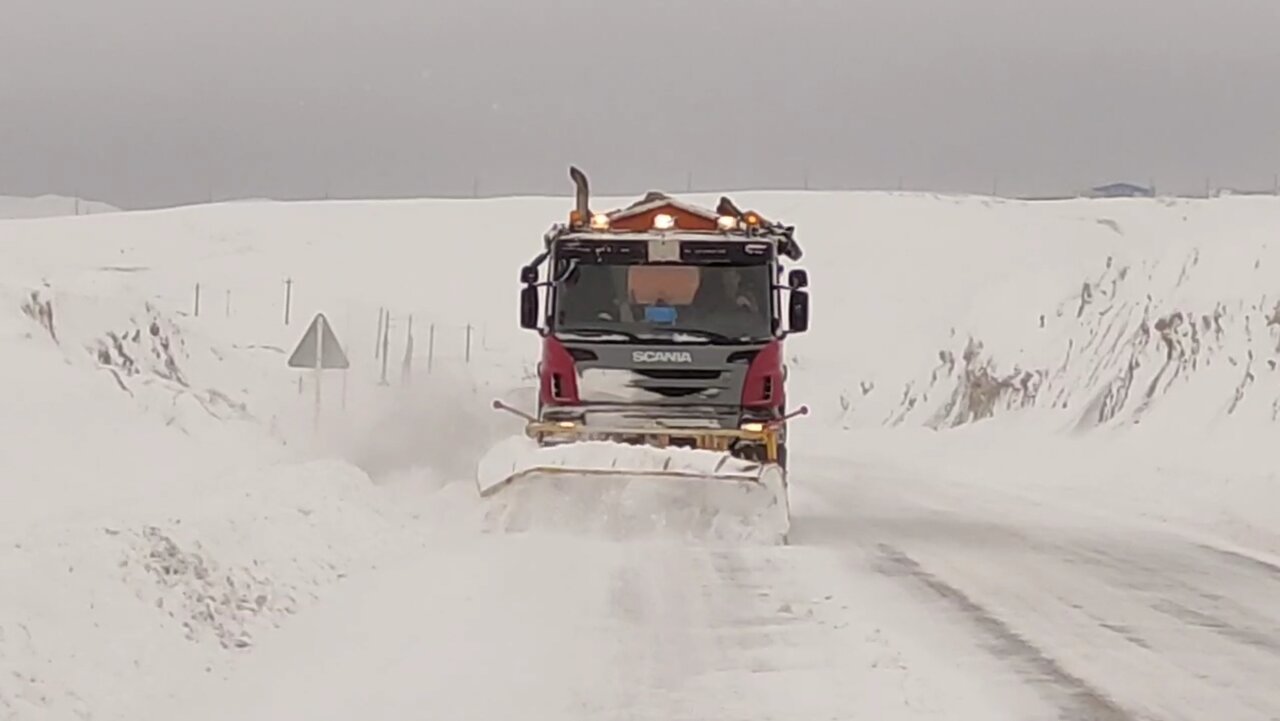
x: 171, y: 503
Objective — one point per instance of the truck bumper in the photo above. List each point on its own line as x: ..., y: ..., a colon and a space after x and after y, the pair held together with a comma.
x: 721, y: 429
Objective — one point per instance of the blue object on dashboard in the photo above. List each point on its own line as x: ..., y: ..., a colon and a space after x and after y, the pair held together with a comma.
x: 664, y: 314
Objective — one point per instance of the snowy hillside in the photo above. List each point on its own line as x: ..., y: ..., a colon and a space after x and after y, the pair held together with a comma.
x: 177, y: 522
x: 48, y: 206
x: 1178, y: 323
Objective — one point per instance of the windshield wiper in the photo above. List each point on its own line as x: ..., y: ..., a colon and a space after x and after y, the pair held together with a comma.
x: 600, y: 331
x: 665, y: 335
x: 710, y: 335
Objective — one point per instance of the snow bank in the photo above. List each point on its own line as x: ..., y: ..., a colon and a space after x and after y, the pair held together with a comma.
x: 99, y: 617
x: 166, y: 500
x: 1120, y: 355
x: 1159, y: 335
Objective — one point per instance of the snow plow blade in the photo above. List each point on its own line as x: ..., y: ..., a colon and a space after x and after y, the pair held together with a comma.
x: 571, y: 476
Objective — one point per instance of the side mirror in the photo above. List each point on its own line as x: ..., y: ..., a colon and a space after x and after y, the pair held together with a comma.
x: 528, y: 275
x: 799, y: 278
x: 529, y: 307
x: 799, y: 311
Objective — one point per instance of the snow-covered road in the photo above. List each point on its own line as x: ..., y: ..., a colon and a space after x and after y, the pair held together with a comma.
x: 625, y: 631
x: 901, y: 597
x: 1103, y: 620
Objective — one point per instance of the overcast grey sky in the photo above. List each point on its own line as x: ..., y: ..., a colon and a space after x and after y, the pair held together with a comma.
x: 154, y: 102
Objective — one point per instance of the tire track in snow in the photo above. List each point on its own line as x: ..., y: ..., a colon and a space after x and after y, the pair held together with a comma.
x: 1075, y: 698
x: 774, y: 633
x: 1241, y: 559
x: 1194, y: 606
x: 655, y: 605
x: 696, y: 626
x: 1216, y: 655
x: 1195, y: 617
x: 1154, y: 624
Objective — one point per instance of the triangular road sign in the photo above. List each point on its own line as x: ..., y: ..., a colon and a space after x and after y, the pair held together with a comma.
x: 312, y: 353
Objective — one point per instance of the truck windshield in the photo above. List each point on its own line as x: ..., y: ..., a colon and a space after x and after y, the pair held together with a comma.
x: 678, y: 302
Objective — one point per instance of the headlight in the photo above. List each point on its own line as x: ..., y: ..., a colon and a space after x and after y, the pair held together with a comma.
x: 753, y: 427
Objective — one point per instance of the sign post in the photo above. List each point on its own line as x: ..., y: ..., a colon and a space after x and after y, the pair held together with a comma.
x: 318, y: 351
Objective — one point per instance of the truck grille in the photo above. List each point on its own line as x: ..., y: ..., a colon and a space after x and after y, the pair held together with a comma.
x: 684, y: 374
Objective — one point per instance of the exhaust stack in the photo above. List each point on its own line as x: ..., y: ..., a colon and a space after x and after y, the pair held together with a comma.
x: 583, y: 194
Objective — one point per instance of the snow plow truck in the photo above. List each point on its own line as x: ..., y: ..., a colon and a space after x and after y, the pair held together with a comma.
x: 662, y: 326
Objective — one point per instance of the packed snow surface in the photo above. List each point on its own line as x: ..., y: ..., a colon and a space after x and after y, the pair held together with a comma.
x: 1038, y: 482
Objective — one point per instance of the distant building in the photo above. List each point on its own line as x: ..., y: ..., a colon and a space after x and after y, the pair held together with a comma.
x: 1121, y: 190
x: 1224, y: 192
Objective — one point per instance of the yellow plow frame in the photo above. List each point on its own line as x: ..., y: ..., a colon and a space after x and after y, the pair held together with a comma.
x: 712, y: 439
